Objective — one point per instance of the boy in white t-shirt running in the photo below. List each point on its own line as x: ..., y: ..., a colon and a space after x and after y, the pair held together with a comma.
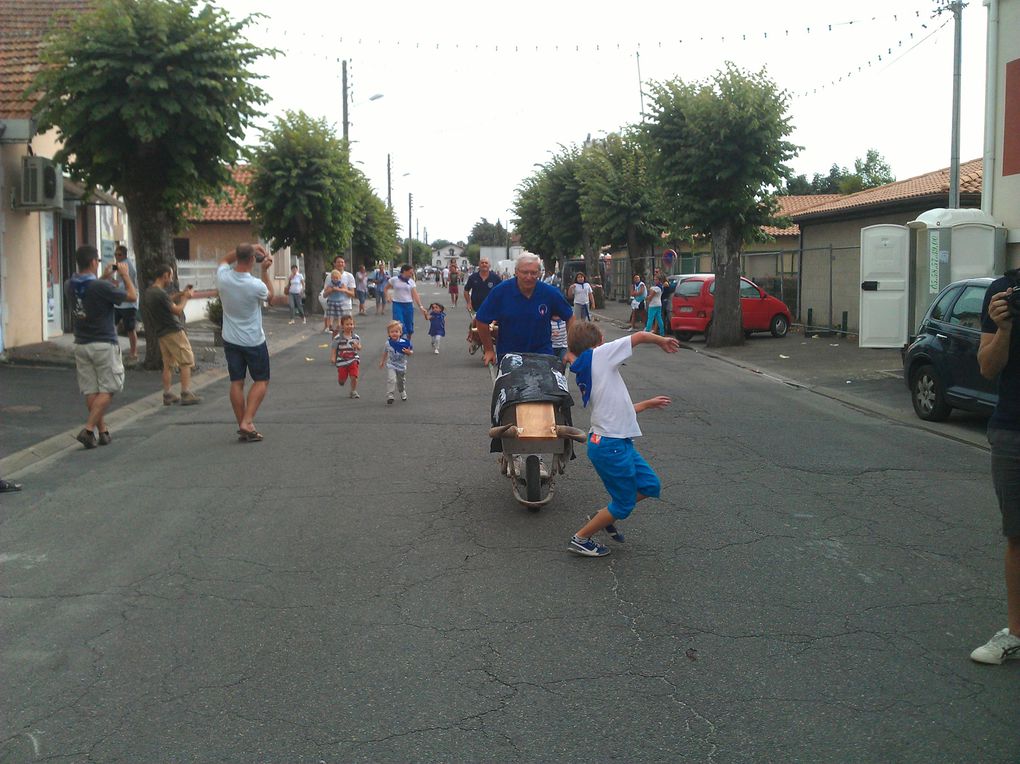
x: 624, y: 472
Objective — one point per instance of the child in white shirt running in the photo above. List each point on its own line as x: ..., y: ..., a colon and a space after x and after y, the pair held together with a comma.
x: 626, y: 475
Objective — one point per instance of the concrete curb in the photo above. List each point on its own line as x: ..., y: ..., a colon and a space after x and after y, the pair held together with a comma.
x: 21, y: 460
x: 859, y: 404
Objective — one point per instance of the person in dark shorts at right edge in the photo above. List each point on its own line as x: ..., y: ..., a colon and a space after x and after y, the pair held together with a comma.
x: 999, y: 354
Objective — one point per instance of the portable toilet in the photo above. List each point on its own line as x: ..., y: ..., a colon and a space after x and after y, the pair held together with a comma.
x: 903, y: 268
x: 949, y: 245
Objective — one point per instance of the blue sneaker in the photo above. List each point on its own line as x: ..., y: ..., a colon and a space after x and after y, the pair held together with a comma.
x: 588, y: 547
x: 614, y: 533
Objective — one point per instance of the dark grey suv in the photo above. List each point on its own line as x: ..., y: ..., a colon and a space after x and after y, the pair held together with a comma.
x: 940, y: 364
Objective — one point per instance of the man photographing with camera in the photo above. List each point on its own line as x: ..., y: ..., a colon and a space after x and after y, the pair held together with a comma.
x: 999, y: 354
x: 244, y: 341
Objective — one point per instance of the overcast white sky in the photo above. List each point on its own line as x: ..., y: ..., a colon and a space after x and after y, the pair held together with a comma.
x: 475, y: 94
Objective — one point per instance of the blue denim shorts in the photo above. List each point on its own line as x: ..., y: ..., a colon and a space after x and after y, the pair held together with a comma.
x: 624, y: 473
x: 243, y: 360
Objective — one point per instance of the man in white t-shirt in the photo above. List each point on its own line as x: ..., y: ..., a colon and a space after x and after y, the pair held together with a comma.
x: 626, y: 475
x: 244, y: 341
x: 346, y: 288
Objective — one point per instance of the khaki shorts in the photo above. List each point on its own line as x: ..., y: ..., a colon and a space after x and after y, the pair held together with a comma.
x: 176, y: 350
x: 100, y: 368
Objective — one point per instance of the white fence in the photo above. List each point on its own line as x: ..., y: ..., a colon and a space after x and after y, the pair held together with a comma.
x: 200, y: 275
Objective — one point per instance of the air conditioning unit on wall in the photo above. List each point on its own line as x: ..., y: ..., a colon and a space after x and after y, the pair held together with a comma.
x: 42, y: 184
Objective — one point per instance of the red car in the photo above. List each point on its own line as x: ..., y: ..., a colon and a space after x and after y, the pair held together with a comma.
x: 694, y: 300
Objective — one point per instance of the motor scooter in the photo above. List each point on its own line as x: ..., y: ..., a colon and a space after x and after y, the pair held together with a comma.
x: 531, y: 425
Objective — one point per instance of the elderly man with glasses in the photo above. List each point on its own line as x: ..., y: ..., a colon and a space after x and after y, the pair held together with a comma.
x: 523, y: 306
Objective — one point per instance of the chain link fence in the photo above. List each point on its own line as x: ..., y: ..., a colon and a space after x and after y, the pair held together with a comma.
x: 820, y: 285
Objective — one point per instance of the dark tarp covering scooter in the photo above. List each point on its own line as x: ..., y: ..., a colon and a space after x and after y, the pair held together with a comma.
x: 531, y: 421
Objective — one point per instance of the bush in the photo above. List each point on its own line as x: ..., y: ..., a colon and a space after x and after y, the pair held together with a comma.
x: 214, y: 311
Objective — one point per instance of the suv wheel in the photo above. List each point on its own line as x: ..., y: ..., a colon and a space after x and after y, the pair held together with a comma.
x: 779, y: 326
x: 928, y: 396
x: 683, y: 336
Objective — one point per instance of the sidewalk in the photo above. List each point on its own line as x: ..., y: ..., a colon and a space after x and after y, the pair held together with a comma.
x: 834, y: 366
x: 41, y: 410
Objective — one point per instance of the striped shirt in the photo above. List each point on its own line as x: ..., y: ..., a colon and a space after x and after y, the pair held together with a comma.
x: 559, y: 333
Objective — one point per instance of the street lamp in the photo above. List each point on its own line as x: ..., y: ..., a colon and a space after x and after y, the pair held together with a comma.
x: 346, y: 95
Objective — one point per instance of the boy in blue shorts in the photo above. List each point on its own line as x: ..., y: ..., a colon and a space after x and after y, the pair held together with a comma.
x: 624, y: 472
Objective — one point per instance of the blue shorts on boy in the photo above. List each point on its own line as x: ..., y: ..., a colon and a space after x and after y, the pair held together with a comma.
x: 614, y: 425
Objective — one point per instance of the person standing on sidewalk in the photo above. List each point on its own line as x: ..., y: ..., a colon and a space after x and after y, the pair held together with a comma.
x: 296, y: 294
x: 361, y: 288
x: 380, y: 278
x: 126, y: 313
x: 654, y: 323
x: 165, y: 316
x: 96, y: 349
x: 244, y: 341
x: 582, y: 296
x: 999, y: 355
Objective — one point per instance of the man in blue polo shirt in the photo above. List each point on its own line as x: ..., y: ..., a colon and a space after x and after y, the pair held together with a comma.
x: 523, y: 306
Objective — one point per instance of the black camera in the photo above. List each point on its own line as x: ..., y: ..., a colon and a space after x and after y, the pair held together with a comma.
x: 1013, y: 298
x: 259, y: 257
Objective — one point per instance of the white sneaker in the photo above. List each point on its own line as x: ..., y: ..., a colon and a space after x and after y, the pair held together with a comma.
x: 1000, y: 648
x: 291, y: 323
x: 435, y: 350
x: 403, y: 396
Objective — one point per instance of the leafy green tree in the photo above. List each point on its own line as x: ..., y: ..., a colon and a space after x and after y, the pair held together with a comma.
x: 440, y: 243
x: 375, y: 229
x: 618, y: 200
x: 530, y: 222
x: 150, y: 98
x: 303, y: 192
x: 421, y: 253
x: 488, y: 234
x: 870, y: 172
x: 718, y: 152
x: 473, y: 253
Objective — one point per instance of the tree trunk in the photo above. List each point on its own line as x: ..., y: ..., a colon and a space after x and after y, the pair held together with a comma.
x: 313, y: 265
x: 152, y: 236
x: 637, y: 264
x: 726, y: 328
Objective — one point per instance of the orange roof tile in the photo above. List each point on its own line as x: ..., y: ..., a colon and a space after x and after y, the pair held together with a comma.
x: 932, y: 185
x: 232, y: 208
x: 23, y: 25
x: 788, y: 205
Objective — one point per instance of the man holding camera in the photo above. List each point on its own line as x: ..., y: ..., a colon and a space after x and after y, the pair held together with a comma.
x: 96, y: 348
x: 999, y: 354
x: 164, y: 320
x: 244, y: 341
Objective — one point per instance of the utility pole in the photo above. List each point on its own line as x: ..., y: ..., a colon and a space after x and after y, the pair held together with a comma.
x: 346, y: 99
x: 641, y: 91
x: 389, y: 184
x: 956, y: 8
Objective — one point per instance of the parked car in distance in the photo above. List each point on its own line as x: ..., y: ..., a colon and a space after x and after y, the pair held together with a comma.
x: 940, y: 364
x: 694, y: 300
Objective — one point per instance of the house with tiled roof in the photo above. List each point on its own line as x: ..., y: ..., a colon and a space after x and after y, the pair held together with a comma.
x: 216, y: 228
x: 51, y: 216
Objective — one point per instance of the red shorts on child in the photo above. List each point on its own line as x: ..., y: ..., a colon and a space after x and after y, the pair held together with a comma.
x: 343, y: 372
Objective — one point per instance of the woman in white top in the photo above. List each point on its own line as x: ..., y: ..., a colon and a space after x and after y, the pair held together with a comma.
x: 655, y: 308
x: 638, y: 293
x: 296, y: 293
x: 583, y: 296
x: 404, y: 296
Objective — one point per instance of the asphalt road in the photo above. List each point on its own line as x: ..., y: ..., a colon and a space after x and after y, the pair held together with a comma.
x: 361, y: 586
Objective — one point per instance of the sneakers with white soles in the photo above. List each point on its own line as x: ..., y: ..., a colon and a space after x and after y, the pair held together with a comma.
x: 1002, y: 647
x: 588, y: 547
